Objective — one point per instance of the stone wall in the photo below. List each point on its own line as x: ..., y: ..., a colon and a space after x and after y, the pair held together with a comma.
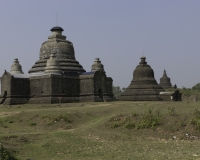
x: 6, y: 84
x: 86, y: 88
x: 109, y: 84
x: 40, y: 86
x: 14, y: 90
x: 65, y: 86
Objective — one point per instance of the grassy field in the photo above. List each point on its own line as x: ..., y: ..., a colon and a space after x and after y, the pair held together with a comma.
x: 102, y: 131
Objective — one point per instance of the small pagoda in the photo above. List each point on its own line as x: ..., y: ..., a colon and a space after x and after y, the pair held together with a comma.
x: 165, y: 81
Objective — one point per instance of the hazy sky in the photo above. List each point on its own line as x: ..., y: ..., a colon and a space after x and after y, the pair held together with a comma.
x: 116, y: 31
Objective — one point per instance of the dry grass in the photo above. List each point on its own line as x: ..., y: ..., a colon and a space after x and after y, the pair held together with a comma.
x: 85, y: 131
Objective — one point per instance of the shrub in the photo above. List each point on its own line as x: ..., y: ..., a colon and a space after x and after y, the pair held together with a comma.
x: 52, y: 118
x: 65, y: 118
x: 148, y: 119
x: 196, y: 119
x: 5, y: 154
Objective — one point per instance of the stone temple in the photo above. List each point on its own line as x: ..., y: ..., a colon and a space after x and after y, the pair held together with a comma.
x: 57, y: 77
x: 165, y: 81
x: 143, y: 86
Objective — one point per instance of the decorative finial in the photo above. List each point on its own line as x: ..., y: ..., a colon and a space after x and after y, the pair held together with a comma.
x: 57, y: 30
x: 143, y: 60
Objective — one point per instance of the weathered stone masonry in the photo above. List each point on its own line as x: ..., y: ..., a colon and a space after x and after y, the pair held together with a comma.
x: 57, y: 77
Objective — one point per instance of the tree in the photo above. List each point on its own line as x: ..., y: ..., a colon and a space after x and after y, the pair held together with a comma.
x: 123, y: 89
x: 117, y: 91
x: 196, y: 87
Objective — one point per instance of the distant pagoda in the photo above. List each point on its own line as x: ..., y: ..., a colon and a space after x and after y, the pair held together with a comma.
x: 143, y: 87
x: 165, y: 81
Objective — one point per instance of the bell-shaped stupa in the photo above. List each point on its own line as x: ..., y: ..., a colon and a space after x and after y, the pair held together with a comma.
x: 143, y: 87
x: 53, y: 65
x: 16, y: 68
x: 97, y: 66
x: 165, y: 81
x: 64, y: 53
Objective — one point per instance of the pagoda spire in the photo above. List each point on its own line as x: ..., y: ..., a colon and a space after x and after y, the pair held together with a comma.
x: 164, y: 73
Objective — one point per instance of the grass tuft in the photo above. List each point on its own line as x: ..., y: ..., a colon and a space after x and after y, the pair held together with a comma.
x: 171, y: 111
x: 33, y: 124
x: 148, y: 119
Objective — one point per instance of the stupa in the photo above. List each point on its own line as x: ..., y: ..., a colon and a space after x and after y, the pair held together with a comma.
x: 97, y: 66
x: 63, y: 50
x: 143, y: 86
x: 165, y: 81
x: 16, y: 68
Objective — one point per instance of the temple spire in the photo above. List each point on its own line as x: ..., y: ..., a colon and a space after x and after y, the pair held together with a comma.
x: 165, y: 81
x: 164, y: 73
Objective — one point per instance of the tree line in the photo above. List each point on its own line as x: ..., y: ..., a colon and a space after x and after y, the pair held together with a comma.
x: 117, y: 91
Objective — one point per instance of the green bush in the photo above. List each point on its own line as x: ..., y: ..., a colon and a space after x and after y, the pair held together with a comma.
x: 5, y: 154
x: 65, y: 118
x: 148, y: 119
x: 196, y: 119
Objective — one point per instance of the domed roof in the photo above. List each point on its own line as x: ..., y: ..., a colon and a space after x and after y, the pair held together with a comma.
x: 56, y: 28
x: 63, y: 50
x: 165, y: 81
x: 97, y: 66
x: 143, y: 71
x: 143, y: 86
x: 16, y: 68
x: 53, y: 65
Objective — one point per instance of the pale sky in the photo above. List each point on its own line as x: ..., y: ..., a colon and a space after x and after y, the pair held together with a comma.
x: 116, y: 31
